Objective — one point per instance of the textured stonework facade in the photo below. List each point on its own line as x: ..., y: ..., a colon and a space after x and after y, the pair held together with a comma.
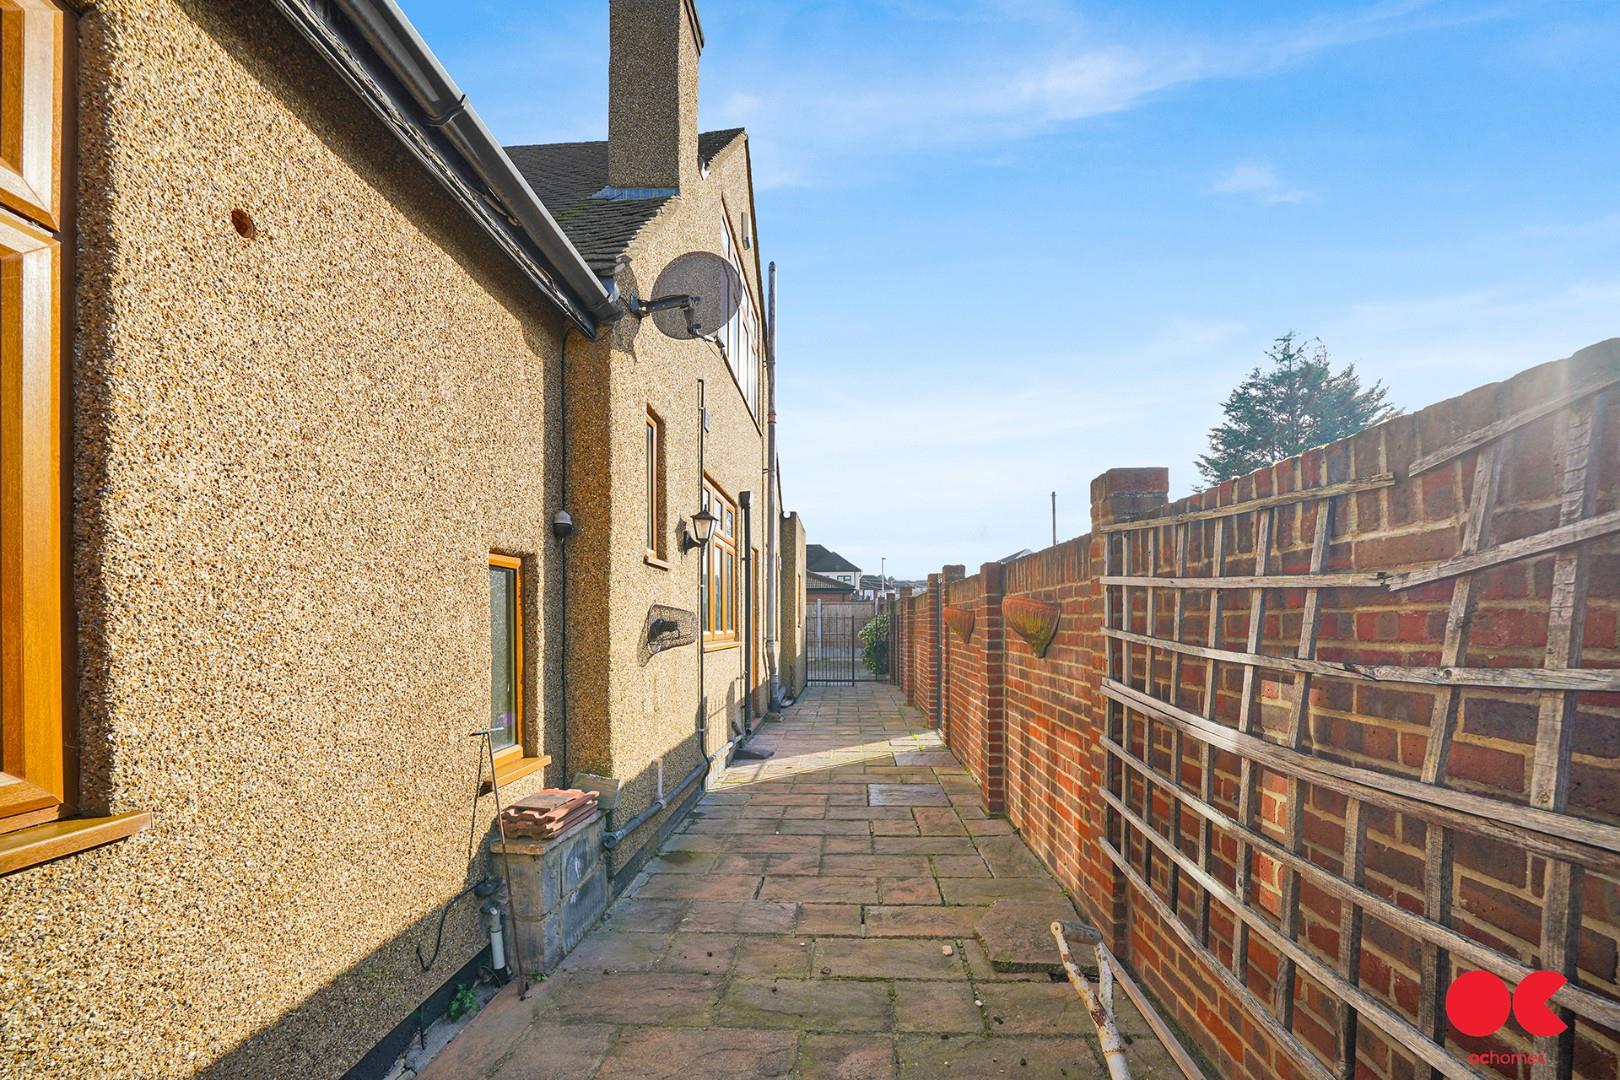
x: 291, y: 457
x: 296, y: 438
x: 631, y: 720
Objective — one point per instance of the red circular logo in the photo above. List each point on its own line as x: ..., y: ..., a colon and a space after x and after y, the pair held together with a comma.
x: 1478, y: 1003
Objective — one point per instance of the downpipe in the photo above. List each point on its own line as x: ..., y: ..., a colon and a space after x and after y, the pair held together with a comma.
x: 613, y: 839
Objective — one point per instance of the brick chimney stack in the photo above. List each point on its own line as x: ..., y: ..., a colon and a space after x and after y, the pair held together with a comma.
x: 653, y: 94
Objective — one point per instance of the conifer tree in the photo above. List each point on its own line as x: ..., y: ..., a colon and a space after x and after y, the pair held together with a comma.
x: 1289, y: 405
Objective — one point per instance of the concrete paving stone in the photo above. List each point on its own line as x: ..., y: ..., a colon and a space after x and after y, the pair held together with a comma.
x: 646, y: 916
x: 938, y: 821
x: 936, y: 1006
x: 988, y: 827
x: 676, y: 999
x: 1017, y: 934
x: 848, y: 1057
x: 894, y: 828
x: 847, y: 845
x: 735, y: 827
x: 771, y: 845
x: 959, y: 866
x: 807, y: 1004
x: 876, y: 865
x: 608, y: 950
x: 907, y: 795
x: 916, y: 890
x: 698, y: 887
x: 824, y: 890
x: 743, y: 862
x: 928, y: 758
x: 1007, y: 856
x: 989, y: 890
x: 683, y: 862
x: 833, y: 919
x: 826, y: 827
x: 705, y: 954
x: 674, y: 1054
x: 739, y: 917
x: 797, y: 862
x: 782, y: 956
x: 870, y: 813
x: 921, y: 921
x: 928, y: 1057
x: 884, y: 958
x: 979, y: 966
x: 806, y: 799
x: 924, y: 845
x: 1030, y: 1008
x: 533, y: 1051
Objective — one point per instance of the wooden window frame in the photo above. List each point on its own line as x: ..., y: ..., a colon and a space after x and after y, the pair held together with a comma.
x: 515, y: 761
x: 720, y: 605
x: 33, y: 760
x: 32, y: 38
x: 655, y: 549
x: 38, y: 789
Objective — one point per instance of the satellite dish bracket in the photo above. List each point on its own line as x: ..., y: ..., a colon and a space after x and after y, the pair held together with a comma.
x: 643, y: 308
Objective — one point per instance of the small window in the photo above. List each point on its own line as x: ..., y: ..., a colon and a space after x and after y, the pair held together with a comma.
x: 506, y: 654
x: 655, y: 486
x: 720, y: 568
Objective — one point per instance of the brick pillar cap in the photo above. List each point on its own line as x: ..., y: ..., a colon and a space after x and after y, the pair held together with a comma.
x: 1127, y: 494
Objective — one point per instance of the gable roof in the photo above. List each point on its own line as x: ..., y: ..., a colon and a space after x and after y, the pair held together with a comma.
x: 814, y: 582
x: 567, y: 176
x: 820, y: 559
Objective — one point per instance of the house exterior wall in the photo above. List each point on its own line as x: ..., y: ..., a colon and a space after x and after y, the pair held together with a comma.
x: 794, y: 653
x: 633, y: 720
x: 1055, y: 715
x: 291, y: 458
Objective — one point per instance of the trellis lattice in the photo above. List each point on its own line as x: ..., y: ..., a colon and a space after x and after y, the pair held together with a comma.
x: 1165, y: 805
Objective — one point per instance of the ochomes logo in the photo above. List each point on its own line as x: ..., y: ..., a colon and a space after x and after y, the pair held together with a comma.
x: 1478, y: 1003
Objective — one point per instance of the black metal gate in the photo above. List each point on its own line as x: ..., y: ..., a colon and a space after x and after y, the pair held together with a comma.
x: 847, y: 643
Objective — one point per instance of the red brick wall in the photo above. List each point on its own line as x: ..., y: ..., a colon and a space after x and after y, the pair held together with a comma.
x: 1049, y: 712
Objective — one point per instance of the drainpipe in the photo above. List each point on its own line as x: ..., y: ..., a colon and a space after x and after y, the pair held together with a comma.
x: 773, y: 617
x: 745, y: 502
x: 391, y: 35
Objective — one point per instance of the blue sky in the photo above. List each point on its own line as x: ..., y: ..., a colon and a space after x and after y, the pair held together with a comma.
x: 1020, y: 243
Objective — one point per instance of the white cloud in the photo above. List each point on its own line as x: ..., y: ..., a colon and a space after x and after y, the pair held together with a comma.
x: 1257, y: 182
x: 839, y: 103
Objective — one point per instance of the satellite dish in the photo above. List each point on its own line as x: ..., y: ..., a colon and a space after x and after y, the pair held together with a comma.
x: 695, y: 296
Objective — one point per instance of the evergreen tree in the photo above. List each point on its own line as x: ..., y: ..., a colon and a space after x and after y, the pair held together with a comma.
x: 1295, y: 403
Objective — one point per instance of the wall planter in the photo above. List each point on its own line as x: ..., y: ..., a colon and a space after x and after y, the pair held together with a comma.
x: 1033, y: 620
x: 959, y: 619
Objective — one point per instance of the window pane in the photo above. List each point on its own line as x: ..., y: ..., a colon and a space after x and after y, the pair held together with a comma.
x: 503, y: 675
x: 652, y: 488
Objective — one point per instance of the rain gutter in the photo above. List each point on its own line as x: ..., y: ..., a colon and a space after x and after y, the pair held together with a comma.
x: 376, y: 50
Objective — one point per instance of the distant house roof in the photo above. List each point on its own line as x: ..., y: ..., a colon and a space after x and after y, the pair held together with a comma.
x: 1019, y: 554
x: 822, y: 561
x: 816, y: 583
x: 567, y: 177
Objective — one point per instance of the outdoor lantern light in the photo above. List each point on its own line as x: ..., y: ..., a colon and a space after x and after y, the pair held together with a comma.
x: 699, y: 528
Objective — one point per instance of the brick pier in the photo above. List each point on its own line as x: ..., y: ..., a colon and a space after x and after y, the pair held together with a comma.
x: 815, y: 917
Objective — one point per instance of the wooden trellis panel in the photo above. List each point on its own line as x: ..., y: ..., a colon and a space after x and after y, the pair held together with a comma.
x: 1572, y: 845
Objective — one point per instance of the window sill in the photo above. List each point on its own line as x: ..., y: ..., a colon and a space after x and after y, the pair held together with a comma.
x: 516, y: 768
x: 42, y: 843
x: 654, y: 561
x: 721, y: 646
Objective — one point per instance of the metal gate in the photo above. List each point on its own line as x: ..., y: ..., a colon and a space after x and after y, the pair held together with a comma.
x: 838, y: 652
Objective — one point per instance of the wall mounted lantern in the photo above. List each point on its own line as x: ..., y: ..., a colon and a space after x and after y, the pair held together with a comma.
x: 698, y: 529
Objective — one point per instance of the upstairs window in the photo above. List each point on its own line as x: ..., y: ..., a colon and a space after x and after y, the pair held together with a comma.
x: 655, y: 486
x: 740, y: 338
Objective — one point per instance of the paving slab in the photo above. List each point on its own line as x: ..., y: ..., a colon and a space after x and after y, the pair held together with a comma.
x: 1017, y: 934
x: 820, y: 917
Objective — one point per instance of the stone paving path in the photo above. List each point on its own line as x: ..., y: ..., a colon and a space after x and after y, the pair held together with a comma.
x: 814, y: 917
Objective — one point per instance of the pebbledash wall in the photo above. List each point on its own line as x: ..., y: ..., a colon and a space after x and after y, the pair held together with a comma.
x: 1029, y: 727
